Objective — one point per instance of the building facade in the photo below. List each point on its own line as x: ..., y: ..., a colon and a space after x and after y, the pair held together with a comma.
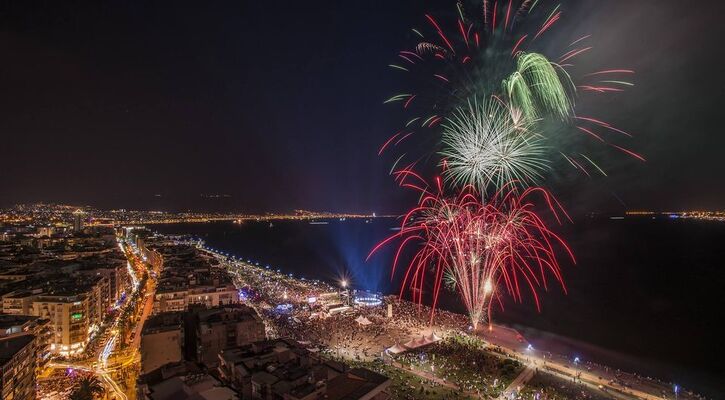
x: 17, y: 367
x: 162, y: 341
x: 70, y: 321
x: 222, y: 328
x: 179, y: 299
x: 19, y: 325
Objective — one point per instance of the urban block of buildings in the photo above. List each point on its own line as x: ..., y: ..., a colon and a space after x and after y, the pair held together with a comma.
x: 72, y: 281
x: 191, y: 277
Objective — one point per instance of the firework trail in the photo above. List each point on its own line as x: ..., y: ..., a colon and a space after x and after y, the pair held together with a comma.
x: 500, y: 49
x: 497, y: 104
x: 482, y: 249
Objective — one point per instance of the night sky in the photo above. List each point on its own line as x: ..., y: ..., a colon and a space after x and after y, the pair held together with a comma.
x: 279, y: 104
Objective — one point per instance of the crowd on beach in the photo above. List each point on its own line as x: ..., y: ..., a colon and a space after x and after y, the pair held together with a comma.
x: 342, y: 336
x: 350, y: 339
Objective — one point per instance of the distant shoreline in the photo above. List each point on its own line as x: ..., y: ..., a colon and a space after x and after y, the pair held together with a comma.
x: 255, y: 219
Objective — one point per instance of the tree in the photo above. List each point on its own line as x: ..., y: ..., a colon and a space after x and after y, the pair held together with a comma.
x: 87, y: 388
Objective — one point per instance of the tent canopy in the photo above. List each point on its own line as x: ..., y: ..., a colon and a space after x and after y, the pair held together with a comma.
x: 419, y: 342
x: 397, y: 349
x: 362, y: 321
x: 433, y: 337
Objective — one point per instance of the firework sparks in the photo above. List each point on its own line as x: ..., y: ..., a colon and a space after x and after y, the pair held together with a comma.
x: 499, y: 102
x: 484, y: 250
x: 503, y: 49
x: 490, y: 144
x: 538, y: 87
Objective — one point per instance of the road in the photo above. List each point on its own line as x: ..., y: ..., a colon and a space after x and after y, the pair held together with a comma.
x: 104, y: 376
x: 512, y: 343
x: 107, y: 359
x: 148, y: 307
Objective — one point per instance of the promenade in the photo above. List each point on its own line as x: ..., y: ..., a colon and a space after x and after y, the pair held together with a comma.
x: 339, y: 336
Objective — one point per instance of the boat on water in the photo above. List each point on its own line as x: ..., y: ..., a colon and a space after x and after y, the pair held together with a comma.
x: 319, y: 222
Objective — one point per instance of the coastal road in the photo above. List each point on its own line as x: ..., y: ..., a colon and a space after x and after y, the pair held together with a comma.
x: 512, y: 343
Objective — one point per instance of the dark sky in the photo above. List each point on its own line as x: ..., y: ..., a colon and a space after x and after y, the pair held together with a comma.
x: 279, y: 104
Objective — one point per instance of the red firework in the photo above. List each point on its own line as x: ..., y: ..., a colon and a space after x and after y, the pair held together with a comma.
x: 485, y: 249
x: 453, y: 59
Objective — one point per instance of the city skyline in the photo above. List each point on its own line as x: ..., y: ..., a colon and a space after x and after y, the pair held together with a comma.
x: 460, y: 199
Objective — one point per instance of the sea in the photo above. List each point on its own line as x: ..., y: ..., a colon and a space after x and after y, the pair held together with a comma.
x: 645, y: 294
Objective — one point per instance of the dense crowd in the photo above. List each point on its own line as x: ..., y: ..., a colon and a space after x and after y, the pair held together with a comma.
x: 60, y: 383
x: 549, y: 387
x: 341, y: 336
x: 464, y: 360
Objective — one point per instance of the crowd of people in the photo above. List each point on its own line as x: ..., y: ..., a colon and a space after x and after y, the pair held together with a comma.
x: 549, y: 387
x: 340, y: 336
x: 464, y: 360
x: 56, y: 385
x: 309, y: 322
x: 409, y: 385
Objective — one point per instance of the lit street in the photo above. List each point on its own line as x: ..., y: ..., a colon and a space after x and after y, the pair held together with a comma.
x: 362, y: 200
x: 113, y: 357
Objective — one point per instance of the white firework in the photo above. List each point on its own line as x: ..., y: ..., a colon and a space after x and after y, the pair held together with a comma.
x: 489, y: 144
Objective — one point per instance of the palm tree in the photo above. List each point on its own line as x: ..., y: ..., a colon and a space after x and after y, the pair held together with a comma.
x: 87, y: 388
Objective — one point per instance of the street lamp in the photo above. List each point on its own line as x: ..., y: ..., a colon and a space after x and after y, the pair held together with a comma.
x: 343, y: 283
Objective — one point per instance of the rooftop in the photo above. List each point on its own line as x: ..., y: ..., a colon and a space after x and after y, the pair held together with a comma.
x: 12, y: 345
x: 355, y: 384
x: 9, y: 321
x: 167, y: 321
x: 184, y: 380
x: 228, y: 313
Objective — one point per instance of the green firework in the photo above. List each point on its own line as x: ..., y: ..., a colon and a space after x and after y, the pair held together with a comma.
x: 539, y: 87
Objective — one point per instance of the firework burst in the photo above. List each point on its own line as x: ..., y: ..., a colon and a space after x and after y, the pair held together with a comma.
x: 497, y: 102
x: 489, y: 144
x: 484, y: 250
x: 502, y: 48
